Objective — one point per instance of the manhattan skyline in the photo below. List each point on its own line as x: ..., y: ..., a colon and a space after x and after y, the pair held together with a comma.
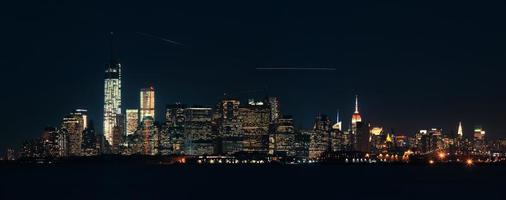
x: 435, y: 71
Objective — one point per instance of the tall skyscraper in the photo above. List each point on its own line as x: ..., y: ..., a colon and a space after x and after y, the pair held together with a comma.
x: 132, y: 121
x: 147, y: 106
x: 112, y: 95
x: 355, y: 118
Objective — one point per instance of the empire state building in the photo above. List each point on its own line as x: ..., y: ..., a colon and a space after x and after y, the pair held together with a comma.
x: 112, y: 95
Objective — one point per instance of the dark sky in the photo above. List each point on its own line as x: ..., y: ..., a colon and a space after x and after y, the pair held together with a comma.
x: 414, y: 64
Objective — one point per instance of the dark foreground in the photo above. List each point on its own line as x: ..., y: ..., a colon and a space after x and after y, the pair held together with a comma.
x: 99, y: 181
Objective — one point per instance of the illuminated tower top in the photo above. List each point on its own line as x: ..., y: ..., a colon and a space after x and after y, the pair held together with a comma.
x: 460, y: 132
x: 338, y: 124
x: 356, y: 115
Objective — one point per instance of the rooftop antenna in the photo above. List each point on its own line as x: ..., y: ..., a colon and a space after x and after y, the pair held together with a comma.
x: 111, y: 43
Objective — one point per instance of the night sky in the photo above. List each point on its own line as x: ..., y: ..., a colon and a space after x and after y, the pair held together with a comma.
x: 415, y: 65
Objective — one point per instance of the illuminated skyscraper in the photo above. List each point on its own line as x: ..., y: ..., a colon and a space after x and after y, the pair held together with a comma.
x: 112, y: 95
x: 132, y: 121
x: 147, y: 106
x: 355, y: 118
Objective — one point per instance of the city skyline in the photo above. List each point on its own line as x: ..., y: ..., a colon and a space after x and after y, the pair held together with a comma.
x: 423, y: 83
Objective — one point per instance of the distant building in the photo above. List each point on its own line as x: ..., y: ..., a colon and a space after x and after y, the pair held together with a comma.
x: 302, y: 141
x: 199, y: 139
x: 255, y: 119
x: 51, y: 142
x: 74, y: 124
x: 132, y: 121
x: 148, y: 137
x: 275, y: 112
x: 362, y: 134
x: 229, y: 126
x: 282, y: 137
x: 147, y: 103
x: 173, y: 131
x: 479, y: 140
x: 340, y: 140
x: 320, y: 139
x: 378, y: 140
x: 32, y: 149
x: 10, y: 155
x: 89, y: 141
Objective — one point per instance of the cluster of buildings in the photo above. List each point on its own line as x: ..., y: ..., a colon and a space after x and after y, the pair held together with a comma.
x: 255, y: 130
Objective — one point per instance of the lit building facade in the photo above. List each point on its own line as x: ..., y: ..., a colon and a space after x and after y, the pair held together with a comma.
x: 74, y: 124
x: 173, y: 131
x: 274, y: 106
x: 89, y: 142
x: 148, y: 140
x: 229, y: 126
x: 320, y: 139
x: 255, y: 119
x: 132, y: 121
x: 282, y: 137
x: 199, y: 139
x: 147, y: 103
x: 340, y: 140
x: 112, y: 97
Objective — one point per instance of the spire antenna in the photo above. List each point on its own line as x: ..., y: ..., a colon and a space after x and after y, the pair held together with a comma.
x: 356, y: 103
x: 111, y: 43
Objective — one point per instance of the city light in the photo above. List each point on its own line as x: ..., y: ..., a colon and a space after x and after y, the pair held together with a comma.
x: 469, y: 162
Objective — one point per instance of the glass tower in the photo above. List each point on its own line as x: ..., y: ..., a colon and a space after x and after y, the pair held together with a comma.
x: 112, y: 95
